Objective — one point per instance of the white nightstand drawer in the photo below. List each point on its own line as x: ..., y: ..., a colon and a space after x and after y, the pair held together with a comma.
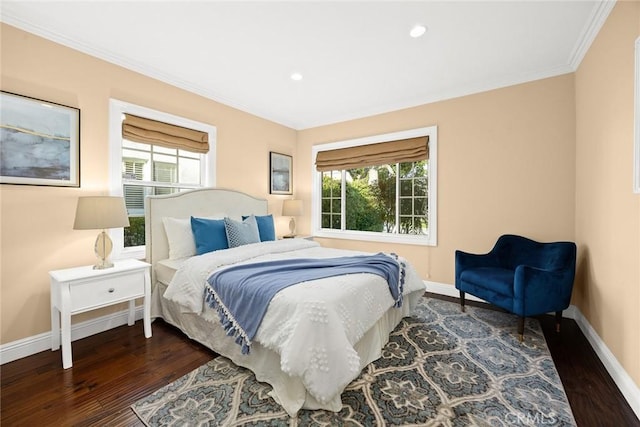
x: 79, y: 289
x: 106, y: 291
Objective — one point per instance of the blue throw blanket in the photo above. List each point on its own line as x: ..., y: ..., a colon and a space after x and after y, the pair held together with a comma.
x: 242, y: 293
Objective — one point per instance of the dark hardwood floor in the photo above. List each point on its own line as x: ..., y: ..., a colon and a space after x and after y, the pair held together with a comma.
x: 113, y: 369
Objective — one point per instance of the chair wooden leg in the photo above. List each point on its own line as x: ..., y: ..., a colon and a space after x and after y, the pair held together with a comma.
x: 521, y: 328
x: 462, y: 301
x: 558, y: 320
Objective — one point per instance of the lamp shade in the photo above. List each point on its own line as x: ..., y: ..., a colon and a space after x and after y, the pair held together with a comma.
x: 100, y: 212
x: 292, y: 208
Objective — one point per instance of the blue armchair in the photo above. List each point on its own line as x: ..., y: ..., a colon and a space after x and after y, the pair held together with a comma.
x: 520, y: 275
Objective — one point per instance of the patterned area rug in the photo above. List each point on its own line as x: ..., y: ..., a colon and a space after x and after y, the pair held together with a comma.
x: 441, y: 367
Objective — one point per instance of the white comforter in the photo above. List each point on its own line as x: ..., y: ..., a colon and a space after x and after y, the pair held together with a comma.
x: 313, y: 326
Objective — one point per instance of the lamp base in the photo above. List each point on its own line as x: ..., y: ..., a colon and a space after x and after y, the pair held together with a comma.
x: 102, y: 264
x: 103, y: 249
x: 292, y: 228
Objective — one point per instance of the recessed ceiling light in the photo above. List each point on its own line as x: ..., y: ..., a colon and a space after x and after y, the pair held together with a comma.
x: 296, y: 76
x: 417, y: 31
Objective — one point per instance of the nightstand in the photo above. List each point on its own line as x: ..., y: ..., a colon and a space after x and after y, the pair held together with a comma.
x: 80, y: 289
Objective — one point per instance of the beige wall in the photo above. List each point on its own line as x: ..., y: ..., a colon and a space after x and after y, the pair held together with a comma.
x: 36, y: 222
x: 505, y: 165
x: 607, y: 212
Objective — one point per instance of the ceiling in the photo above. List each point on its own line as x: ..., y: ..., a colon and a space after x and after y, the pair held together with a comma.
x: 356, y: 57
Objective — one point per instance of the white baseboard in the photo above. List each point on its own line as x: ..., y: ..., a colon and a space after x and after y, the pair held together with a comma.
x: 35, y: 344
x: 625, y: 383
x: 447, y: 290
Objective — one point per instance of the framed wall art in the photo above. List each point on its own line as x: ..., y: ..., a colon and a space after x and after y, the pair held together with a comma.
x: 39, y: 142
x: 280, y: 173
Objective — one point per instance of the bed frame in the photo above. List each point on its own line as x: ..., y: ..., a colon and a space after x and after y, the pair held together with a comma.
x: 289, y: 391
x: 200, y: 202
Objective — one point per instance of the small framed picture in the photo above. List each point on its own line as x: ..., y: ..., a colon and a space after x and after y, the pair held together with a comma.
x: 280, y: 173
x: 39, y: 142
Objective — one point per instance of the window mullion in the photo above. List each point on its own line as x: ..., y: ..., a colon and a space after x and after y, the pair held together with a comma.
x: 413, y: 201
x: 177, y: 166
x: 397, y: 227
x: 343, y: 201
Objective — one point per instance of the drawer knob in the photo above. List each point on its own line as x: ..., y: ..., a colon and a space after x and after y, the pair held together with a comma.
x: 111, y: 290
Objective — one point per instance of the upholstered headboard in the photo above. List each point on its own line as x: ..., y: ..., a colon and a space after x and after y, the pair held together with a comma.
x: 201, y: 203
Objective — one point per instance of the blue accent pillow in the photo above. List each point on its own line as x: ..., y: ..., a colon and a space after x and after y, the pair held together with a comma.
x: 266, y: 227
x: 209, y: 235
x: 241, y: 233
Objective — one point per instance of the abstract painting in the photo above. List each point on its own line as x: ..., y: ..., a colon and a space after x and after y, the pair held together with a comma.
x: 39, y: 142
x: 280, y: 172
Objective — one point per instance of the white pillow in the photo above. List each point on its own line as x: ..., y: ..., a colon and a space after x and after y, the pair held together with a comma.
x: 180, y: 236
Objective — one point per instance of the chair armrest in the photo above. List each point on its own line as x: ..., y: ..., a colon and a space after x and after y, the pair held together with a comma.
x: 465, y: 260
x: 538, y: 291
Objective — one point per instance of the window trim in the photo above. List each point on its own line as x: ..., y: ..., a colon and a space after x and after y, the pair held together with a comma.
x: 429, y: 240
x: 117, y: 109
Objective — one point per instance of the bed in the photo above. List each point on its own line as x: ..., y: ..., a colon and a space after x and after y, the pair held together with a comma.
x: 313, y: 340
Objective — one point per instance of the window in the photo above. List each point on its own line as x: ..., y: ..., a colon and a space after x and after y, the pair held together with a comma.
x: 151, y: 169
x: 361, y: 192
x: 139, y: 169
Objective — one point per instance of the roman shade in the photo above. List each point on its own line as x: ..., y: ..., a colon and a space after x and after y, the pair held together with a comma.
x: 139, y: 129
x: 382, y: 153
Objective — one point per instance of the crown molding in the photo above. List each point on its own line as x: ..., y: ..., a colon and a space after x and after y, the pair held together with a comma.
x: 599, y: 15
x: 114, y: 58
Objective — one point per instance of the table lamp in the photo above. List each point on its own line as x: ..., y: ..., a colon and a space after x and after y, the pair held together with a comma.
x: 101, y: 212
x: 292, y: 208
